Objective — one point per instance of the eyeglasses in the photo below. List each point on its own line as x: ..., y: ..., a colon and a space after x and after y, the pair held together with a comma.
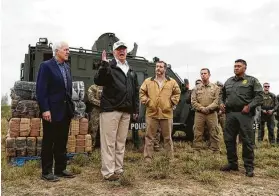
x: 266, y: 86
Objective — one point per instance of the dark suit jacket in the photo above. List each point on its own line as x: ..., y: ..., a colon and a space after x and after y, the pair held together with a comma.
x: 51, y: 92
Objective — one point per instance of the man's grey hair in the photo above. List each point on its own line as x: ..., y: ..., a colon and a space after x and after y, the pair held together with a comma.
x: 58, y: 45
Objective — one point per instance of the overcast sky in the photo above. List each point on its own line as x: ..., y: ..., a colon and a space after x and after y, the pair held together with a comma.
x: 189, y: 35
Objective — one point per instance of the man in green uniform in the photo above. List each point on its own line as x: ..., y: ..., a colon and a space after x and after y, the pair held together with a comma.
x: 269, y: 106
x: 241, y: 94
x: 94, y: 96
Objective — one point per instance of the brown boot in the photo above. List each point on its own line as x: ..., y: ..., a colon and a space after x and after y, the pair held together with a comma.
x: 113, y: 177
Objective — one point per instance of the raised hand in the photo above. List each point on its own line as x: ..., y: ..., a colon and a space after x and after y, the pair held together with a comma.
x: 104, y: 56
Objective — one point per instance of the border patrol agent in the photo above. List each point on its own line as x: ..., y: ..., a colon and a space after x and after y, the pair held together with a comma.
x: 241, y: 94
x: 205, y: 101
x: 269, y: 106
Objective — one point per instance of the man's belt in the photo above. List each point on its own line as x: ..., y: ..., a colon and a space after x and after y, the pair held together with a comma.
x: 210, y: 111
x: 234, y: 109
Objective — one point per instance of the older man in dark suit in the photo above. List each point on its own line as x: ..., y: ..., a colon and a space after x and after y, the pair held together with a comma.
x: 54, y: 92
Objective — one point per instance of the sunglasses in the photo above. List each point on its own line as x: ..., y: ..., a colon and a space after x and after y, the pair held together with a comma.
x: 266, y: 86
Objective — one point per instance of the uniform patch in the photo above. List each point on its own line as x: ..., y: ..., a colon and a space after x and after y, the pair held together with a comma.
x: 244, y: 82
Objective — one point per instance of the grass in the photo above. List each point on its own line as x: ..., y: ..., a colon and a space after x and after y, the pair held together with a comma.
x: 187, y: 171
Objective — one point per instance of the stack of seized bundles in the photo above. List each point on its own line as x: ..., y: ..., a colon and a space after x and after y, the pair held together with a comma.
x: 24, y: 134
x: 79, y: 141
x: 24, y: 104
x: 23, y: 137
x: 78, y: 96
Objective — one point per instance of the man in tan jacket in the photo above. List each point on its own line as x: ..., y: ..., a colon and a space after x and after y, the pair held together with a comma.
x: 160, y: 94
x: 205, y: 100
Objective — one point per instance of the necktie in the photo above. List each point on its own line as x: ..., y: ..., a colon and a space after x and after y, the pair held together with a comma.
x: 64, y: 73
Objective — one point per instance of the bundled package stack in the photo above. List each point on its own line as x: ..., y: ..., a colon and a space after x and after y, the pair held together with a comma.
x: 71, y: 145
x: 78, y: 96
x: 25, y: 124
x: 24, y: 104
x: 79, y: 141
x: 23, y: 138
x: 25, y: 127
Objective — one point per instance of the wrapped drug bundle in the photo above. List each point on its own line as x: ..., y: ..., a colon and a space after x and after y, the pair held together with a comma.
x: 24, y: 128
x: 25, y: 90
x: 10, y: 147
x: 14, y: 127
x: 80, y: 143
x: 31, y: 146
x: 71, y: 145
x: 39, y: 146
x: 35, y: 127
x: 74, y: 127
x: 80, y: 108
x: 78, y: 91
x: 83, y: 126
x: 20, y: 146
x: 26, y: 109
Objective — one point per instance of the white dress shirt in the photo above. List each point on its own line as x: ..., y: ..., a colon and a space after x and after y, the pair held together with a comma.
x: 124, y: 67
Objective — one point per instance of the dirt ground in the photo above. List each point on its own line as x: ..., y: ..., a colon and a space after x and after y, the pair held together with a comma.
x: 189, y: 173
x: 160, y: 178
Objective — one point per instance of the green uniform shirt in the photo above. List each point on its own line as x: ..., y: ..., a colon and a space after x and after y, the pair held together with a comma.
x: 269, y: 101
x: 240, y: 91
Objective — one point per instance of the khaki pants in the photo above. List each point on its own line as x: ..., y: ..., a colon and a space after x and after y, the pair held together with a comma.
x: 151, y: 131
x: 212, y: 123
x: 113, y: 131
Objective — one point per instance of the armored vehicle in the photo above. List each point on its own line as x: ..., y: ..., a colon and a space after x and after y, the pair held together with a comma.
x: 83, y: 63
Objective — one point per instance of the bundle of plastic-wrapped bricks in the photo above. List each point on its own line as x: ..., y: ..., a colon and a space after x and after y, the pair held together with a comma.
x: 24, y: 137
x: 24, y: 104
x: 79, y: 141
x: 78, y: 96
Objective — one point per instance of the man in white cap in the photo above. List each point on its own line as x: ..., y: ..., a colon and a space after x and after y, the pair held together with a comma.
x: 120, y: 99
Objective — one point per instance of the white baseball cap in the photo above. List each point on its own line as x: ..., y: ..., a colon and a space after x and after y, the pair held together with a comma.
x: 118, y: 44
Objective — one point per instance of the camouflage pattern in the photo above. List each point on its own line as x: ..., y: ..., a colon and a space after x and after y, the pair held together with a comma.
x: 94, y: 96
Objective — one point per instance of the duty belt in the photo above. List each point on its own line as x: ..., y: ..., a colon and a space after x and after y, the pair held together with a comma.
x: 234, y: 109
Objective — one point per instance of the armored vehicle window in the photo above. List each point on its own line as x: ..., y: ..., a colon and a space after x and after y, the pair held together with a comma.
x: 47, y: 56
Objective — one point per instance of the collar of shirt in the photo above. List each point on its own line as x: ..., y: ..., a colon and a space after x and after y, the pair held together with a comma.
x: 240, y: 78
x: 207, y: 85
x: 60, y: 64
x: 156, y: 79
x: 123, y: 66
